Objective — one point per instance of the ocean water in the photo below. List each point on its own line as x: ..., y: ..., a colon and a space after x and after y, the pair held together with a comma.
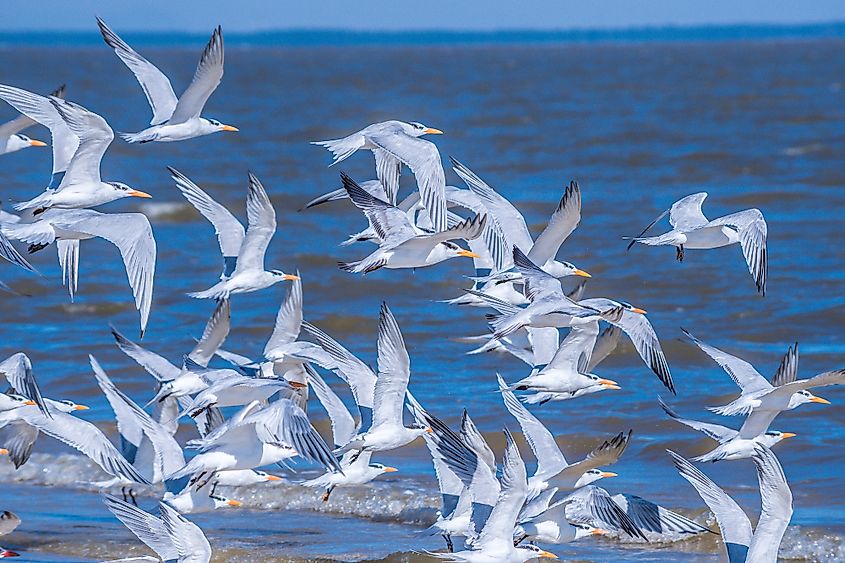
x: 638, y: 124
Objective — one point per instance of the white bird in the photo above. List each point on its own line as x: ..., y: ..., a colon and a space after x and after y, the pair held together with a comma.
x: 394, y: 143
x: 17, y: 369
x: 81, y: 186
x: 11, y: 139
x: 249, y: 274
x: 402, y: 244
x: 174, y: 119
x: 742, y: 545
x: 171, y: 536
x: 733, y: 444
x: 691, y: 229
x: 552, y: 526
x: 193, y: 500
x: 244, y: 478
x: 495, y: 543
x: 388, y: 431
x: 11, y: 402
x: 131, y: 233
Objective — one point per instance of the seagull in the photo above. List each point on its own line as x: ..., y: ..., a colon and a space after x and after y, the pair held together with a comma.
x: 249, y: 274
x: 393, y: 144
x: 171, y: 536
x: 174, y: 119
x: 131, y: 233
x: 691, y: 229
x: 230, y: 231
x: 11, y: 140
x: 565, y: 375
x: 394, y: 370
x: 733, y: 444
x: 495, y: 542
x: 402, y: 244
x: 741, y: 544
x: 356, y: 466
x: 81, y: 186
x: 192, y: 500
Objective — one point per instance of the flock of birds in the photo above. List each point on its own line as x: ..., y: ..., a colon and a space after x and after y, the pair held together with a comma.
x: 499, y: 512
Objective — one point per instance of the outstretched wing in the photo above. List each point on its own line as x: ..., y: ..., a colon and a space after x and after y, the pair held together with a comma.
x: 685, y: 214
x: 206, y: 78
x: 394, y: 371
x: 262, y: 226
x: 561, y: 224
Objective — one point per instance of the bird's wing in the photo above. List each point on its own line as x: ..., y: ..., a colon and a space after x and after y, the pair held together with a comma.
x: 716, y: 431
x: 561, y: 224
x: 594, y: 504
x: 423, y: 158
x: 8, y: 252
x: 510, y: 219
x: 132, y: 234
x: 388, y: 169
x: 578, y: 343
x: 758, y: 422
x: 605, y: 345
x: 394, y: 371
x: 155, y: 84
x: 206, y: 78
x: 23, y: 121
x: 787, y: 371
x: 262, y: 226
x: 127, y: 421
x: 230, y: 231
x: 448, y: 482
x: 191, y: 544
x: 652, y: 517
x: 734, y: 524
x: 215, y: 332
x: 742, y: 372
x: 39, y: 108
x: 514, y: 490
x: 85, y: 437
x: 18, y: 439
x: 550, y: 460
x: 835, y: 377
x: 157, y: 366
x: 94, y: 135
x: 17, y: 369
x: 343, y: 425
x: 537, y: 281
x: 685, y: 214
x: 148, y: 528
x: 389, y: 222
x: 606, y: 453
x: 288, y: 319
x: 753, y: 231
x: 777, y: 506
x: 473, y: 438
x: 469, y: 229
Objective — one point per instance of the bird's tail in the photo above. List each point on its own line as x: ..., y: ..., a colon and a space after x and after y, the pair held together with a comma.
x: 41, y: 201
x: 733, y: 408
x: 325, y: 198
x: 144, y: 136
x: 670, y: 238
x: 217, y: 291
x: 364, y: 266
x: 341, y: 149
x: 69, y: 261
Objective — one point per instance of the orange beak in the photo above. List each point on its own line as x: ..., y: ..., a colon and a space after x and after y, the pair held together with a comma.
x: 390, y: 470
x: 820, y: 400
x: 273, y: 478
x: 582, y: 273
x: 609, y: 474
x: 788, y: 434
x: 598, y: 532
x: 81, y: 408
x: 607, y: 382
x: 35, y: 143
x: 429, y: 430
x: 290, y: 277
x: 297, y: 385
x: 139, y: 193
x: 28, y: 402
x: 467, y: 254
x: 234, y: 502
x: 4, y: 451
x: 229, y: 128
x: 432, y: 131
x: 546, y: 555
x: 638, y: 310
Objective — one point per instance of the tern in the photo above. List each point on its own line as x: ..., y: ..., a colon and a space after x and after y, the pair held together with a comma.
x: 174, y: 119
x: 761, y: 545
x: 691, y: 229
x: 402, y: 244
x: 249, y: 273
x: 81, y: 186
x: 11, y: 139
x: 394, y: 143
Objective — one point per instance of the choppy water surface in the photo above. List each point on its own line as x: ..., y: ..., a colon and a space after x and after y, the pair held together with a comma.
x: 638, y: 125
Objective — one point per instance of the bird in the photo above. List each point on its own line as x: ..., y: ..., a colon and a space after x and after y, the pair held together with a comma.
x: 11, y: 139
x: 403, y: 245
x: 393, y: 144
x: 171, y: 536
x: 11, y: 254
x: 131, y: 233
x: 244, y: 478
x: 692, y: 230
x: 174, y: 119
x: 81, y: 186
x: 761, y: 545
x: 249, y: 273
x: 388, y: 431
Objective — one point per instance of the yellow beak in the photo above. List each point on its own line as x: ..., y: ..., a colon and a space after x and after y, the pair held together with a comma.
x: 4, y: 451
x: 234, y: 502
x: 390, y: 470
x: 139, y: 193
x: 547, y: 555
x: 290, y: 277
x: 467, y: 254
x: 819, y: 400
x: 581, y: 273
x: 432, y: 131
x: 229, y: 128
x: 638, y: 310
x: 28, y: 402
x: 35, y: 143
x: 788, y: 434
x: 609, y: 474
x: 81, y: 408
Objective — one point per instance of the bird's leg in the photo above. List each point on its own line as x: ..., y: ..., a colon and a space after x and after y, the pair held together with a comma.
x: 123, y: 492
x: 679, y: 253
x: 33, y: 248
x: 355, y: 457
x: 132, y: 496
x: 213, y: 488
x: 196, y: 478
x: 449, y: 544
x: 327, y: 493
x: 205, y: 482
x: 520, y: 540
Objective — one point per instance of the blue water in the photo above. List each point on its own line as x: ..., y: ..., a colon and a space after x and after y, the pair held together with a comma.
x: 638, y: 124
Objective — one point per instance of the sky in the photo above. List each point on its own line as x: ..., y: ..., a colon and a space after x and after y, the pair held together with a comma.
x: 396, y: 15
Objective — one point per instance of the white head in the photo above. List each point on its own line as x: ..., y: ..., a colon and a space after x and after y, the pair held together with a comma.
x: 601, y: 383
x: 283, y: 276
x: 418, y: 429
x: 67, y: 406
x: 529, y: 552
x: 208, y: 125
x: 121, y: 190
x: 563, y: 269
x: 17, y: 142
x: 592, y: 476
x: 804, y: 396
x: 263, y: 477
x: 380, y: 469
x: 417, y: 129
x: 446, y: 250
x: 222, y: 502
x: 772, y: 437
